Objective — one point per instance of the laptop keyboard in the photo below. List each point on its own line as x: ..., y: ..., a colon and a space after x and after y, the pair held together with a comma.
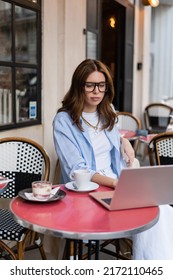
x: 107, y: 200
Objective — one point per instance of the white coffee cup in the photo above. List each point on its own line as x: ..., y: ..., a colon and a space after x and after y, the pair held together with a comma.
x: 82, y: 178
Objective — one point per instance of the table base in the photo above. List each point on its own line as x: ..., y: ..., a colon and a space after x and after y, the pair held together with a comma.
x: 79, y: 250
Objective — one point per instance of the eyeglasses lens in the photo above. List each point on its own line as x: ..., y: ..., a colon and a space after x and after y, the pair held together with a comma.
x: 90, y: 87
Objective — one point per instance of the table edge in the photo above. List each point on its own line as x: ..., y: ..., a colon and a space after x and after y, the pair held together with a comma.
x: 84, y: 235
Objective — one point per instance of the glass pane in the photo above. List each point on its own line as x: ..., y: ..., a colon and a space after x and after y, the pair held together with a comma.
x: 5, y: 31
x: 25, y: 35
x: 26, y: 94
x: 5, y: 95
x: 91, y: 45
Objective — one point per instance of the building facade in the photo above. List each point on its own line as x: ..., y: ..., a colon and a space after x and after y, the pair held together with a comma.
x: 64, y: 46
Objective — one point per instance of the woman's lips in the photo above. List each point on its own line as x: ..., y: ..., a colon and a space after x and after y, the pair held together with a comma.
x: 95, y: 99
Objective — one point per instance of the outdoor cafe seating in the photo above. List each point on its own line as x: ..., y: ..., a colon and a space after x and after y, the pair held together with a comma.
x: 157, y: 117
x: 128, y: 124
x: 160, y: 149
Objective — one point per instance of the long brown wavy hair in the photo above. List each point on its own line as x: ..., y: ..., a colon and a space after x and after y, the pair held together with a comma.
x: 73, y: 102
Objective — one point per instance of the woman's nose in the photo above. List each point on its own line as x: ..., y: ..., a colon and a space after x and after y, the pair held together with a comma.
x: 96, y: 90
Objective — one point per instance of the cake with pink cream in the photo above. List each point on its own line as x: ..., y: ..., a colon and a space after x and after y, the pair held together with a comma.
x: 41, y: 189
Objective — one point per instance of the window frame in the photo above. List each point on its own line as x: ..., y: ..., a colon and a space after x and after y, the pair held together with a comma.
x: 36, y: 7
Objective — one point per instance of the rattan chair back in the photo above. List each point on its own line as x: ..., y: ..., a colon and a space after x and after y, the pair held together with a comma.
x: 157, y: 117
x: 127, y: 121
x: 161, y: 149
x: 23, y: 161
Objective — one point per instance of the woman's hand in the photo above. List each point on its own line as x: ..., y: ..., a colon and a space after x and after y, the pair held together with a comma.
x: 104, y: 180
x: 127, y: 151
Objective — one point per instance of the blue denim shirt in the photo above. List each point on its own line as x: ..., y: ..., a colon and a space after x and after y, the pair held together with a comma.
x: 74, y: 148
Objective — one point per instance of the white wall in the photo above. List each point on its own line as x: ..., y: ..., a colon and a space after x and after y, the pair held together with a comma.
x: 141, y: 55
x: 50, y: 75
x: 63, y: 49
x: 161, y: 80
x: 75, y: 40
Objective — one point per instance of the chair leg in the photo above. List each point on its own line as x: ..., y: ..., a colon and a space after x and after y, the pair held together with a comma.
x: 5, y: 248
x: 118, y: 253
x: 38, y: 241
x: 31, y: 241
x: 127, y: 245
x: 76, y: 249
x: 20, y: 251
x: 71, y: 249
x: 68, y: 250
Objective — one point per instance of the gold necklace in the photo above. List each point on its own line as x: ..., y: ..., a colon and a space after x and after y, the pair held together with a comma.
x: 89, y: 124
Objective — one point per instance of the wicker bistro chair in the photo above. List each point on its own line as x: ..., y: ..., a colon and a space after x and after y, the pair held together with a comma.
x: 157, y: 117
x: 160, y: 149
x: 23, y: 161
x: 127, y: 121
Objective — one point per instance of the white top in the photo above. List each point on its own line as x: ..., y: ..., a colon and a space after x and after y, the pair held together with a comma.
x: 101, y: 145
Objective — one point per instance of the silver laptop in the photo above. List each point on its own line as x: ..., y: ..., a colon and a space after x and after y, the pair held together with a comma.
x: 139, y: 187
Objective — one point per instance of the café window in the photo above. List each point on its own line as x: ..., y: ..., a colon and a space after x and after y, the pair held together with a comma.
x: 20, y: 63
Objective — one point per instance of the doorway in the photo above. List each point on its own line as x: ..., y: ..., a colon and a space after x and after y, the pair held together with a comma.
x: 112, y: 45
x: 110, y: 25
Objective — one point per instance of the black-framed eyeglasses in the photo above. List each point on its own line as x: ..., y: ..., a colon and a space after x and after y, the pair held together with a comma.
x: 90, y: 87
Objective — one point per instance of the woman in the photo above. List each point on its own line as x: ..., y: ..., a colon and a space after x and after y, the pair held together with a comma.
x: 86, y: 136
x: 85, y: 124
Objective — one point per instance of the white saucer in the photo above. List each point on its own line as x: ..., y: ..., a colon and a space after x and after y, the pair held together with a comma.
x: 91, y: 187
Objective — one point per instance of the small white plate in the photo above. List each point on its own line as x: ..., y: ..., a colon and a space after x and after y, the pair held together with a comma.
x: 91, y: 187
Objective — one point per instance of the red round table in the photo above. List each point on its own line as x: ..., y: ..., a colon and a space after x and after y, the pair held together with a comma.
x: 78, y: 216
